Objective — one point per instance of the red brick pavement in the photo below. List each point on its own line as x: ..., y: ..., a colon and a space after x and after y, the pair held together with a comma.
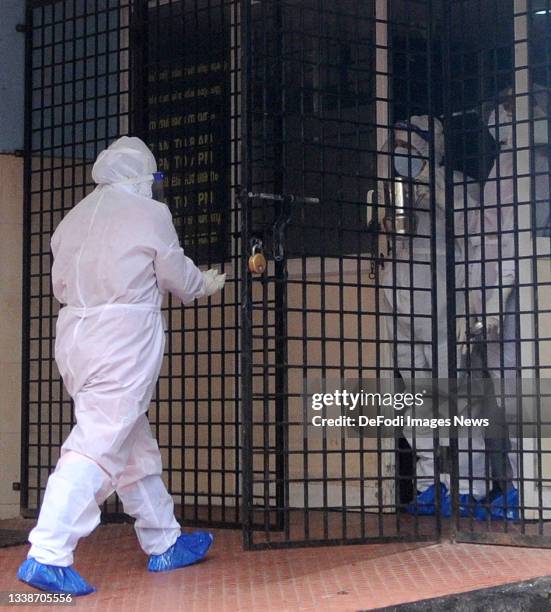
x: 322, y: 579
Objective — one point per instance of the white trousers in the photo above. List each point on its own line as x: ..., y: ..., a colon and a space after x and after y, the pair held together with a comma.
x: 413, y: 357
x: 110, y: 361
x: 416, y: 356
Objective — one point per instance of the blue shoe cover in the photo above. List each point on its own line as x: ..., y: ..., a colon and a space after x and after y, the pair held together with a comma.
x: 189, y: 548
x: 503, y: 507
x: 53, y: 578
x: 468, y: 505
x: 425, y: 503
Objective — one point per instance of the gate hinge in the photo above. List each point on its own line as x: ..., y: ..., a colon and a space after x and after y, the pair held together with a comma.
x: 16, y: 486
x: 22, y: 27
x: 19, y: 153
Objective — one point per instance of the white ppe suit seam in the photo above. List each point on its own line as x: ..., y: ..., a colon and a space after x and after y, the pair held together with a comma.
x: 79, y: 256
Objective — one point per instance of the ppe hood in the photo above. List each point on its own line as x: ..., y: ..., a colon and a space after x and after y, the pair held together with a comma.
x: 126, y: 158
x: 417, y: 131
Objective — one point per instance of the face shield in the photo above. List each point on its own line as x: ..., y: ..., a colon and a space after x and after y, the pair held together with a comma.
x: 158, y: 187
x: 148, y: 185
x: 408, y: 164
x: 408, y: 161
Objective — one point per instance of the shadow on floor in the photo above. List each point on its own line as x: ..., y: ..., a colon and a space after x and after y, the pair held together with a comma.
x: 529, y: 596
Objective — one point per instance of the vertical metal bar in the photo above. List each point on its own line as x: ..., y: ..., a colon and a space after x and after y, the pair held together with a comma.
x: 227, y: 51
x: 170, y: 399
x: 246, y: 293
x: 340, y: 251
x: 209, y: 327
x: 239, y: 102
x: 392, y: 242
x: 38, y: 340
x: 450, y: 256
x: 26, y: 273
x: 434, y: 259
x: 534, y: 278
x: 137, y: 75
x: 280, y: 276
x: 517, y: 256
x: 359, y: 259
x: 320, y: 54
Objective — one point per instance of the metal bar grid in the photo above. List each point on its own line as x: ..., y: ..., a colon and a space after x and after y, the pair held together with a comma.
x: 312, y: 122
x: 497, y: 88
x: 94, y: 69
x: 190, y: 72
x: 297, y: 103
x: 450, y: 63
x: 71, y: 113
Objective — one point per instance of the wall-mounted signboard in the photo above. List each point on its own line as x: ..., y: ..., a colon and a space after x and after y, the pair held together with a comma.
x: 188, y: 124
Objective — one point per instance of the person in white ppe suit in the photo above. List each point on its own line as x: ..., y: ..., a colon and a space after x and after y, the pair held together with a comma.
x: 408, y: 280
x: 500, y: 270
x: 116, y: 254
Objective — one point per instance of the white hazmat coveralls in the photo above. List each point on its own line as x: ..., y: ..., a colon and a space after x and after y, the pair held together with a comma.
x: 115, y: 254
x: 500, y: 255
x: 407, y: 277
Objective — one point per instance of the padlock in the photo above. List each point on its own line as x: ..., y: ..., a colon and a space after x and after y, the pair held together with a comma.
x: 257, y: 261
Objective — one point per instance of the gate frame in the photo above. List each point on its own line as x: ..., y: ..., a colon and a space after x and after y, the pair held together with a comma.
x: 245, y: 309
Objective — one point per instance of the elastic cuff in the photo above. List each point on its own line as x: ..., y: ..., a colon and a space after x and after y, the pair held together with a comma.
x: 50, y: 558
x: 164, y: 542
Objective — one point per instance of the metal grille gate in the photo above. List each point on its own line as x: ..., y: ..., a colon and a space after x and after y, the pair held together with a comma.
x: 271, y: 122
x: 504, y: 71
x: 318, y: 110
x: 97, y: 70
x: 326, y: 83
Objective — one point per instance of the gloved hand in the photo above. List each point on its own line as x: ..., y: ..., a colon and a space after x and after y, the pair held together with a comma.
x: 461, y: 334
x: 488, y: 325
x: 492, y: 327
x: 213, y: 281
x: 495, y: 304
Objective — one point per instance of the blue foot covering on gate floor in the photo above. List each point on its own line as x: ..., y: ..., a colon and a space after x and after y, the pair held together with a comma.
x: 499, y: 509
x: 425, y: 503
x: 189, y: 548
x: 53, y: 578
x: 503, y: 507
x: 468, y: 505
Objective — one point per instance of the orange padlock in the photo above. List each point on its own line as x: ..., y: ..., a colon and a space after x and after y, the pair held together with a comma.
x: 257, y: 261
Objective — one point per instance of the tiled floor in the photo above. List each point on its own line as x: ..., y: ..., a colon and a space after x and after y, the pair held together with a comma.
x: 332, y: 578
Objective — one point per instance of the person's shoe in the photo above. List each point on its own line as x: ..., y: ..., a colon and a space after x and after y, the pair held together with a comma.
x: 189, y: 548
x: 468, y: 505
x: 53, y: 578
x: 499, y: 508
x: 425, y: 503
